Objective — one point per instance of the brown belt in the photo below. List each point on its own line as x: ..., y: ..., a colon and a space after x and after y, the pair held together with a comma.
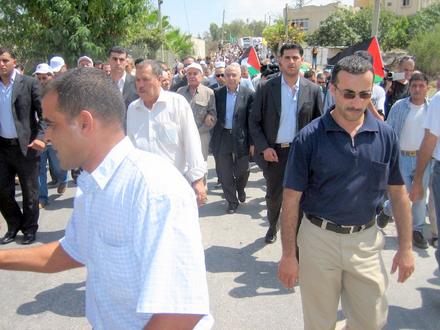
x: 408, y: 153
x: 340, y: 229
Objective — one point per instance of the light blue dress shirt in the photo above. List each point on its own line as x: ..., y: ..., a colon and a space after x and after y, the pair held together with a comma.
x: 289, y: 101
x: 7, y: 125
x: 231, y: 98
x: 135, y: 227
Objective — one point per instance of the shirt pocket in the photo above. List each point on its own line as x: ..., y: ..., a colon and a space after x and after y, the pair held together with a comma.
x: 168, y: 134
x: 378, y: 176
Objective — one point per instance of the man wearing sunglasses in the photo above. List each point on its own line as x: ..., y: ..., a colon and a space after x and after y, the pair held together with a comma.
x: 338, y: 170
x: 219, y: 75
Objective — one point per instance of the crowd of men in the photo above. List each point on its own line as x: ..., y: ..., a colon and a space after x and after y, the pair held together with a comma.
x: 335, y: 151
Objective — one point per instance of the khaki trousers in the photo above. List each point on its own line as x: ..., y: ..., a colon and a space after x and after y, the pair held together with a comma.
x: 346, y: 267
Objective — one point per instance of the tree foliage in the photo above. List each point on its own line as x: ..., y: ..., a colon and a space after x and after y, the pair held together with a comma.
x: 275, y: 35
x: 345, y: 27
x: 41, y: 28
x: 426, y: 48
x: 237, y: 29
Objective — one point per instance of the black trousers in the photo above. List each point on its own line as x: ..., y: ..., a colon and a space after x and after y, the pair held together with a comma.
x: 12, y: 162
x: 233, y: 171
x: 274, y: 175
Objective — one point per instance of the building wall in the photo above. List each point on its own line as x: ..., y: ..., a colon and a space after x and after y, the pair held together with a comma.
x: 400, y: 7
x: 309, y: 17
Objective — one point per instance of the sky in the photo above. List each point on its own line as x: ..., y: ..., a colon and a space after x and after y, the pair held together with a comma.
x: 195, y: 16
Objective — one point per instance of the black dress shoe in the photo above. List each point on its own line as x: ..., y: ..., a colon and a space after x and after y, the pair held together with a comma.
x: 8, y: 238
x: 28, y: 239
x: 242, y: 196
x: 271, y: 236
x: 231, y: 208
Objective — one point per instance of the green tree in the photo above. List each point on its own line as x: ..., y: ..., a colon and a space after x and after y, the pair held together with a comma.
x: 424, y: 20
x: 38, y: 29
x: 215, y: 32
x: 426, y: 47
x: 275, y: 35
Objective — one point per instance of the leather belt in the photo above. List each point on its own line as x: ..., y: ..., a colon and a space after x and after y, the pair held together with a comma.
x: 8, y: 142
x: 408, y: 153
x: 283, y: 145
x: 340, y: 229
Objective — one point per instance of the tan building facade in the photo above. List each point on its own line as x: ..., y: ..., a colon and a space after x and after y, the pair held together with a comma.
x: 399, y: 7
x: 309, y: 17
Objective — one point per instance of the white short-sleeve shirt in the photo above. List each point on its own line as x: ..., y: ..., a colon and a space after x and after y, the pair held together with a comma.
x: 135, y: 227
x: 432, y: 122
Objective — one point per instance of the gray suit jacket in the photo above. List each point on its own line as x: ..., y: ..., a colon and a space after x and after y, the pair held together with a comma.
x: 129, y: 92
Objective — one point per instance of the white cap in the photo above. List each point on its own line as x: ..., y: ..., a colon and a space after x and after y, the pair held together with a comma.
x: 194, y: 66
x: 43, y: 68
x: 219, y: 65
x: 56, y: 63
x: 85, y: 58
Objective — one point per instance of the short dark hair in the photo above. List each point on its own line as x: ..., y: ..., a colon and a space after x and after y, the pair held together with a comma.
x: 156, y: 68
x: 88, y: 88
x: 418, y: 76
x: 118, y: 49
x: 7, y: 50
x: 309, y: 74
x: 364, y: 54
x: 187, y: 57
x: 291, y: 46
x: 352, y: 64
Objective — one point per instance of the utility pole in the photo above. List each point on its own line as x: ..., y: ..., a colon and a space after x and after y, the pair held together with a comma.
x: 375, y: 22
x: 223, y: 27
x: 286, y: 25
x: 159, y: 3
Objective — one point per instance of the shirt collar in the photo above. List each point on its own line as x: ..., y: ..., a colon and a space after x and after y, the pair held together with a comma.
x: 234, y: 92
x: 11, y: 78
x: 284, y: 83
x: 162, y: 98
x: 99, y: 178
x: 370, y: 124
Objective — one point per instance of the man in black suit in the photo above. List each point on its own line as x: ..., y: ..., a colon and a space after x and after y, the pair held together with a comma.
x: 283, y: 105
x: 117, y: 58
x: 230, y: 141
x: 21, y: 137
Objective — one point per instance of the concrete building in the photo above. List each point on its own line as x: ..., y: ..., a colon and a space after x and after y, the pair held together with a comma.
x: 309, y: 17
x: 399, y: 7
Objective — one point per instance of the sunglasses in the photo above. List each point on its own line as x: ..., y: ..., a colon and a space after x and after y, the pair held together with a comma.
x: 350, y: 95
x: 220, y: 75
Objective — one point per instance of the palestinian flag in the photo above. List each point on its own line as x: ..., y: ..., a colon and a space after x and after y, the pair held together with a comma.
x: 372, y: 46
x: 250, y: 58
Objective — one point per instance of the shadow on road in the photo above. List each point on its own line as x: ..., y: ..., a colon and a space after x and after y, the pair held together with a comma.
x: 259, y: 277
x: 67, y: 299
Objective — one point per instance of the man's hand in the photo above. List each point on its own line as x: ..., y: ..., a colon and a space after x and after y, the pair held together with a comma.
x: 288, y: 271
x: 200, y: 190
x: 270, y: 155
x: 37, y: 145
x: 251, y: 151
x: 416, y: 193
x: 404, y: 260
x: 209, y: 120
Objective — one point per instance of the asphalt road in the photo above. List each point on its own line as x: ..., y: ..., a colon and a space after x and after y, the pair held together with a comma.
x: 241, y: 271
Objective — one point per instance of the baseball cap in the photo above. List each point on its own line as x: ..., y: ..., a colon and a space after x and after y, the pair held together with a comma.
x: 85, y: 58
x: 194, y: 66
x: 43, y: 68
x: 56, y: 63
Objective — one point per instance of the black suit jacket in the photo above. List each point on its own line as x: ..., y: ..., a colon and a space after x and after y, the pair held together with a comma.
x: 240, y: 129
x: 264, y: 121
x: 27, y: 113
x: 129, y: 92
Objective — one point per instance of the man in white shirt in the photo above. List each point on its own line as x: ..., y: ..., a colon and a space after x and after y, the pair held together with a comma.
x: 162, y: 122
x: 407, y: 117
x: 136, y: 231
x: 429, y: 149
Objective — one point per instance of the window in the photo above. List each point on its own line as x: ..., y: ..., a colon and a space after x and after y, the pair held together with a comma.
x: 302, y: 24
x: 405, y: 3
